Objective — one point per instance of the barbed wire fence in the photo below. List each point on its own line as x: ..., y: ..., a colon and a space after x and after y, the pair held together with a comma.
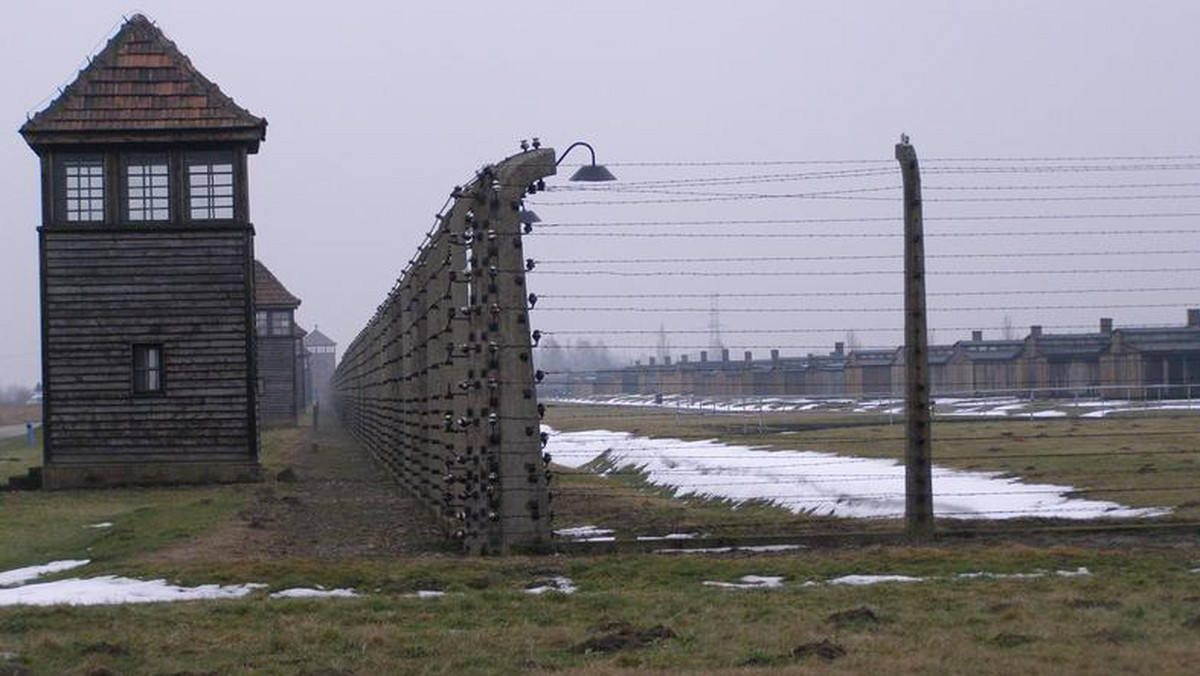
x: 439, y: 386
x: 1067, y: 244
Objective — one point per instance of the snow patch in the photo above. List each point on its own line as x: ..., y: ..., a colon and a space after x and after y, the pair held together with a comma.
x: 103, y: 524
x: 749, y: 582
x: 427, y: 594
x: 110, y: 589
x: 587, y: 534
x: 822, y: 483
x: 726, y: 550
x: 313, y: 593
x: 17, y: 576
x: 862, y: 580
x: 560, y: 584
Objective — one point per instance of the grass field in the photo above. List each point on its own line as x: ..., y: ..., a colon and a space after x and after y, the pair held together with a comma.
x: 1136, y: 460
x: 1136, y: 611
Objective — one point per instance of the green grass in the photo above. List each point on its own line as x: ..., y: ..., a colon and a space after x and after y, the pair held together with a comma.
x: 1128, y: 616
x: 1132, y: 615
x: 39, y: 526
x: 17, y: 456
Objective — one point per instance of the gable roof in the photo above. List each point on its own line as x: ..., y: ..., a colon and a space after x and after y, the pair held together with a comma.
x: 1071, y: 345
x: 141, y: 86
x: 269, y: 292
x: 317, y: 339
x: 1161, y: 340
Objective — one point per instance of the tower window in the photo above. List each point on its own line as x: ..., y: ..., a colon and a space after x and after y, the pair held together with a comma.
x: 281, y: 323
x: 82, y: 199
x: 147, y: 189
x: 210, y: 186
x: 147, y: 369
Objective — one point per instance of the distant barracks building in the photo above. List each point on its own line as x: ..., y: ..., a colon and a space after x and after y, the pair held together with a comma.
x: 147, y: 272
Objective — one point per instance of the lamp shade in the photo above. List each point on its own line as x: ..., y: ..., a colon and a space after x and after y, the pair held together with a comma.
x: 593, y: 172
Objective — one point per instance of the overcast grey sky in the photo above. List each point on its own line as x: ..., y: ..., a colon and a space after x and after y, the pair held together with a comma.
x: 377, y: 109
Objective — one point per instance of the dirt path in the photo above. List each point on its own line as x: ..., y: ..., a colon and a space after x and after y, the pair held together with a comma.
x: 324, y: 498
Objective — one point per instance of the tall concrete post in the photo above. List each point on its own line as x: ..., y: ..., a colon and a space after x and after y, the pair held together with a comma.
x: 918, y: 474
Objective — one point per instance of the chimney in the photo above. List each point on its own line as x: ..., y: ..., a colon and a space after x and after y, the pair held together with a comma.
x: 667, y: 361
x: 1035, y: 330
x: 749, y: 357
x: 774, y: 355
x: 1194, y: 318
x: 976, y: 336
x: 683, y: 359
x: 1106, y: 325
x: 652, y: 361
x: 724, y: 354
x: 839, y: 349
x: 703, y: 356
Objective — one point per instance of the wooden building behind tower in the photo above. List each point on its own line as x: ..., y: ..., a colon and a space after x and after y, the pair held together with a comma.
x: 281, y: 367
x: 147, y: 271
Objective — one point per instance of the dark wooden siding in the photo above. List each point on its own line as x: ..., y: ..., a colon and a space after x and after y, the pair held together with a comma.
x: 188, y: 290
x: 277, y: 375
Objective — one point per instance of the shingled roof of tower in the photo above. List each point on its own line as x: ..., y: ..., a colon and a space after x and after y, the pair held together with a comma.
x: 140, y: 82
x: 317, y: 339
x: 269, y: 292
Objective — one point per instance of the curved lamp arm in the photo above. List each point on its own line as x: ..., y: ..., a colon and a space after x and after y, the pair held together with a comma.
x: 572, y: 147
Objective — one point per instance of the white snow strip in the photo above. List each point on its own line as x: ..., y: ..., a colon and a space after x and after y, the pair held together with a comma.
x: 309, y: 593
x: 103, y: 524
x: 587, y: 534
x: 749, y: 582
x: 110, y: 589
x: 1078, y: 572
x: 822, y: 483
x: 862, y: 580
x: 560, y: 584
x: 726, y: 550
x: 17, y: 576
x: 428, y: 594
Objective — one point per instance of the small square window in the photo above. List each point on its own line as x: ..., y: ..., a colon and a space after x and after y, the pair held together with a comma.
x: 147, y: 369
x: 260, y: 323
x: 281, y: 323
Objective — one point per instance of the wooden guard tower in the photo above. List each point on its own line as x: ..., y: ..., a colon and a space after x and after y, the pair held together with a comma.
x: 147, y: 271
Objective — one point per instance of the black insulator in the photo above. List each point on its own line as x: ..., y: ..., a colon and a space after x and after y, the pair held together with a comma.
x: 533, y: 299
x: 545, y: 438
x: 547, y: 458
x: 493, y: 516
x: 541, y: 409
x: 530, y: 264
x: 537, y: 336
x: 539, y: 375
x: 528, y: 228
x: 541, y: 184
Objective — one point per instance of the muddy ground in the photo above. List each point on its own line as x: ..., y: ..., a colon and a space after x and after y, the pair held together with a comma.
x: 324, y: 498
